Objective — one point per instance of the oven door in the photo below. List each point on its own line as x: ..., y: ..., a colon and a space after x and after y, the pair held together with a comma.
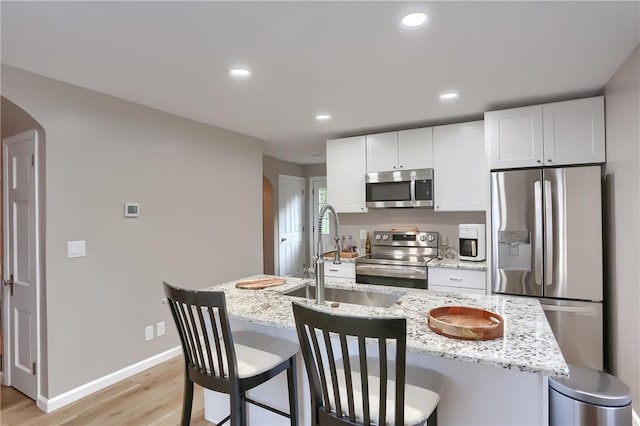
x: 392, y: 275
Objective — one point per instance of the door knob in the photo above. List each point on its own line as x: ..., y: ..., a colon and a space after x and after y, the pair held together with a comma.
x: 9, y: 282
x: 282, y: 240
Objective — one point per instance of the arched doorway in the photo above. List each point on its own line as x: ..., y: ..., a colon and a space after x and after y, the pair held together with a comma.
x: 22, y: 295
x: 267, y: 227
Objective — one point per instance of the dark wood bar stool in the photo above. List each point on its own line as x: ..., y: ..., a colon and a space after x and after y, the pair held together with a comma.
x: 232, y: 363
x: 353, y: 389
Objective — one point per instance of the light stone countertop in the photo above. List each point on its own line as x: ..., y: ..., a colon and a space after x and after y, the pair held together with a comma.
x: 457, y: 264
x: 528, y: 343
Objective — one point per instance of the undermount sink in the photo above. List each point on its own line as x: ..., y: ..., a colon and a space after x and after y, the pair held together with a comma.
x: 356, y: 297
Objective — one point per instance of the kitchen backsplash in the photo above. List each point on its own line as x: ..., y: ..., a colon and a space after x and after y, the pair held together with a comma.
x: 446, y: 224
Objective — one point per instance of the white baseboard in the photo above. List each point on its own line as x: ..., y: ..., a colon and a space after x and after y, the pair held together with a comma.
x: 52, y: 404
x: 636, y: 418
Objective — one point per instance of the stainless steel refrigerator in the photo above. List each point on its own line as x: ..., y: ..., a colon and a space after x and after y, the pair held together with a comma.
x: 546, y: 229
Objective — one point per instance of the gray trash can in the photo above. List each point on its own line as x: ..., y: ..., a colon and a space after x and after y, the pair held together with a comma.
x: 589, y: 397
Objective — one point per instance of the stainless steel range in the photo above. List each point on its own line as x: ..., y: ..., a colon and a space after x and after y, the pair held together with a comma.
x: 398, y: 259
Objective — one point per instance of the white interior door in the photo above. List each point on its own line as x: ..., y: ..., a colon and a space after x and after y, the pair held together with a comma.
x: 290, y: 225
x: 20, y: 274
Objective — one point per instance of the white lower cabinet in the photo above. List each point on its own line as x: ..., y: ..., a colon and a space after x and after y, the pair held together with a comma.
x: 344, y: 273
x: 457, y: 280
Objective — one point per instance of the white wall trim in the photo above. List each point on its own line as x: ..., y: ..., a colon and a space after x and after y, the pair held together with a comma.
x: 52, y: 404
x: 636, y: 418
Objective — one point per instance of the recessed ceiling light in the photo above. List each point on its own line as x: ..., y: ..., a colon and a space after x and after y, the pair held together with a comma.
x: 414, y: 20
x: 449, y: 96
x: 323, y: 117
x: 240, y: 73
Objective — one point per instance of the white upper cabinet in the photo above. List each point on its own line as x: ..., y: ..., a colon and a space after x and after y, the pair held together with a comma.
x: 403, y: 150
x: 514, y: 137
x: 460, y: 167
x: 560, y: 133
x: 415, y: 148
x: 346, y: 169
x: 382, y: 152
x: 574, y: 132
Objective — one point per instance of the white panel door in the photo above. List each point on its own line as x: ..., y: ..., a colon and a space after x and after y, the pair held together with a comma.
x: 515, y: 137
x: 574, y: 132
x: 382, y: 152
x: 290, y: 225
x: 415, y: 148
x: 22, y: 256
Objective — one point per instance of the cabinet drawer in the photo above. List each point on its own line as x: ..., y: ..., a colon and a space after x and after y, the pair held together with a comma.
x: 343, y: 270
x: 451, y: 277
x: 456, y: 289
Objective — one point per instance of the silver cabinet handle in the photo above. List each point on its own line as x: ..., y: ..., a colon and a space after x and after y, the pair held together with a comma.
x: 548, y: 227
x: 537, y: 259
x: 455, y: 279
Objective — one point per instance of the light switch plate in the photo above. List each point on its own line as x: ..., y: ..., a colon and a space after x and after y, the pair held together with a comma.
x: 76, y: 248
x: 148, y: 333
x: 363, y: 234
x: 160, y: 329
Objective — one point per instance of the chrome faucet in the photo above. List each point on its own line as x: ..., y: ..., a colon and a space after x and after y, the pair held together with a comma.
x: 318, y: 259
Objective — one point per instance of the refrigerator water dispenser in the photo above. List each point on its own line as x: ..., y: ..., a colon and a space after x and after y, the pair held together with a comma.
x: 514, y: 250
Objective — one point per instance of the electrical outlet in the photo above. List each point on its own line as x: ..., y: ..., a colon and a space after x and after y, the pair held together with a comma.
x: 160, y: 329
x: 148, y: 333
x: 363, y: 234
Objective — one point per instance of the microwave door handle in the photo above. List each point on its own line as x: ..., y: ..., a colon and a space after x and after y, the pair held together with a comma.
x: 412, y: 189
x: 537, y: 258
x: 548, y: 227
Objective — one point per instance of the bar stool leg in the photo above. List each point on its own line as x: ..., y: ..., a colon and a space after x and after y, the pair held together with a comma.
x: 187, y: 402
x: 293, y: 391
x: 235, y: 399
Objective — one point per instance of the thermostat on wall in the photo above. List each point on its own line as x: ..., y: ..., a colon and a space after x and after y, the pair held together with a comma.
x: 132, y: 209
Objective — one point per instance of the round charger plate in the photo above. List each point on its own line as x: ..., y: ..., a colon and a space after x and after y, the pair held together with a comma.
x: 467, y: 323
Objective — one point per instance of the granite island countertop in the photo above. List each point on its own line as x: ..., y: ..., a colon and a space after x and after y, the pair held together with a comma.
x: 528, y: 343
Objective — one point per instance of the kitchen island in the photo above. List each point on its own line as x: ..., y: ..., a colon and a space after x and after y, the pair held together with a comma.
x: 501, y: 381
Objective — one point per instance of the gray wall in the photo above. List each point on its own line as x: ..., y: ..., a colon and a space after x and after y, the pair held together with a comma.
x: 193, y: 229
x: 622, y: 105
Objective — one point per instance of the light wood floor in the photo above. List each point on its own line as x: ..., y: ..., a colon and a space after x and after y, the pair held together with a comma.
x: 153, y: 397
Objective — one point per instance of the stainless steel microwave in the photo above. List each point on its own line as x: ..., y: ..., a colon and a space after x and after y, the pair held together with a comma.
x: 402, y: 188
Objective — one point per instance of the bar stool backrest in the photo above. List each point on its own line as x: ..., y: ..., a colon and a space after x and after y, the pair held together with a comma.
x: 203, y: 325
x: 318, y: 332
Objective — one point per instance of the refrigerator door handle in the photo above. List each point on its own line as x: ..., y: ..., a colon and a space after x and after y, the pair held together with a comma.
x: 570, y: 309
x: 548, y: 226
x: 537, y: 190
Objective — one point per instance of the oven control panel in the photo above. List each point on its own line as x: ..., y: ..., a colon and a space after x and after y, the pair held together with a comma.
x: 405, y: 239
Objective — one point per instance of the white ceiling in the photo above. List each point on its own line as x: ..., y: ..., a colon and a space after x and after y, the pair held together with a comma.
x: 351, y: 59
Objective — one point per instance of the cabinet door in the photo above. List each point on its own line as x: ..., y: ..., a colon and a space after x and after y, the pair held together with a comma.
x: 382, y: 152
x: 514, y: 137
x: 574, y: 132
x: 415, y: 148
x: 460, y: 172
x: 346, y: 169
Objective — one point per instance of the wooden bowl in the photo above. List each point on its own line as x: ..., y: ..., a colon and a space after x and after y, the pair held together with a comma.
x: 466, y: 323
